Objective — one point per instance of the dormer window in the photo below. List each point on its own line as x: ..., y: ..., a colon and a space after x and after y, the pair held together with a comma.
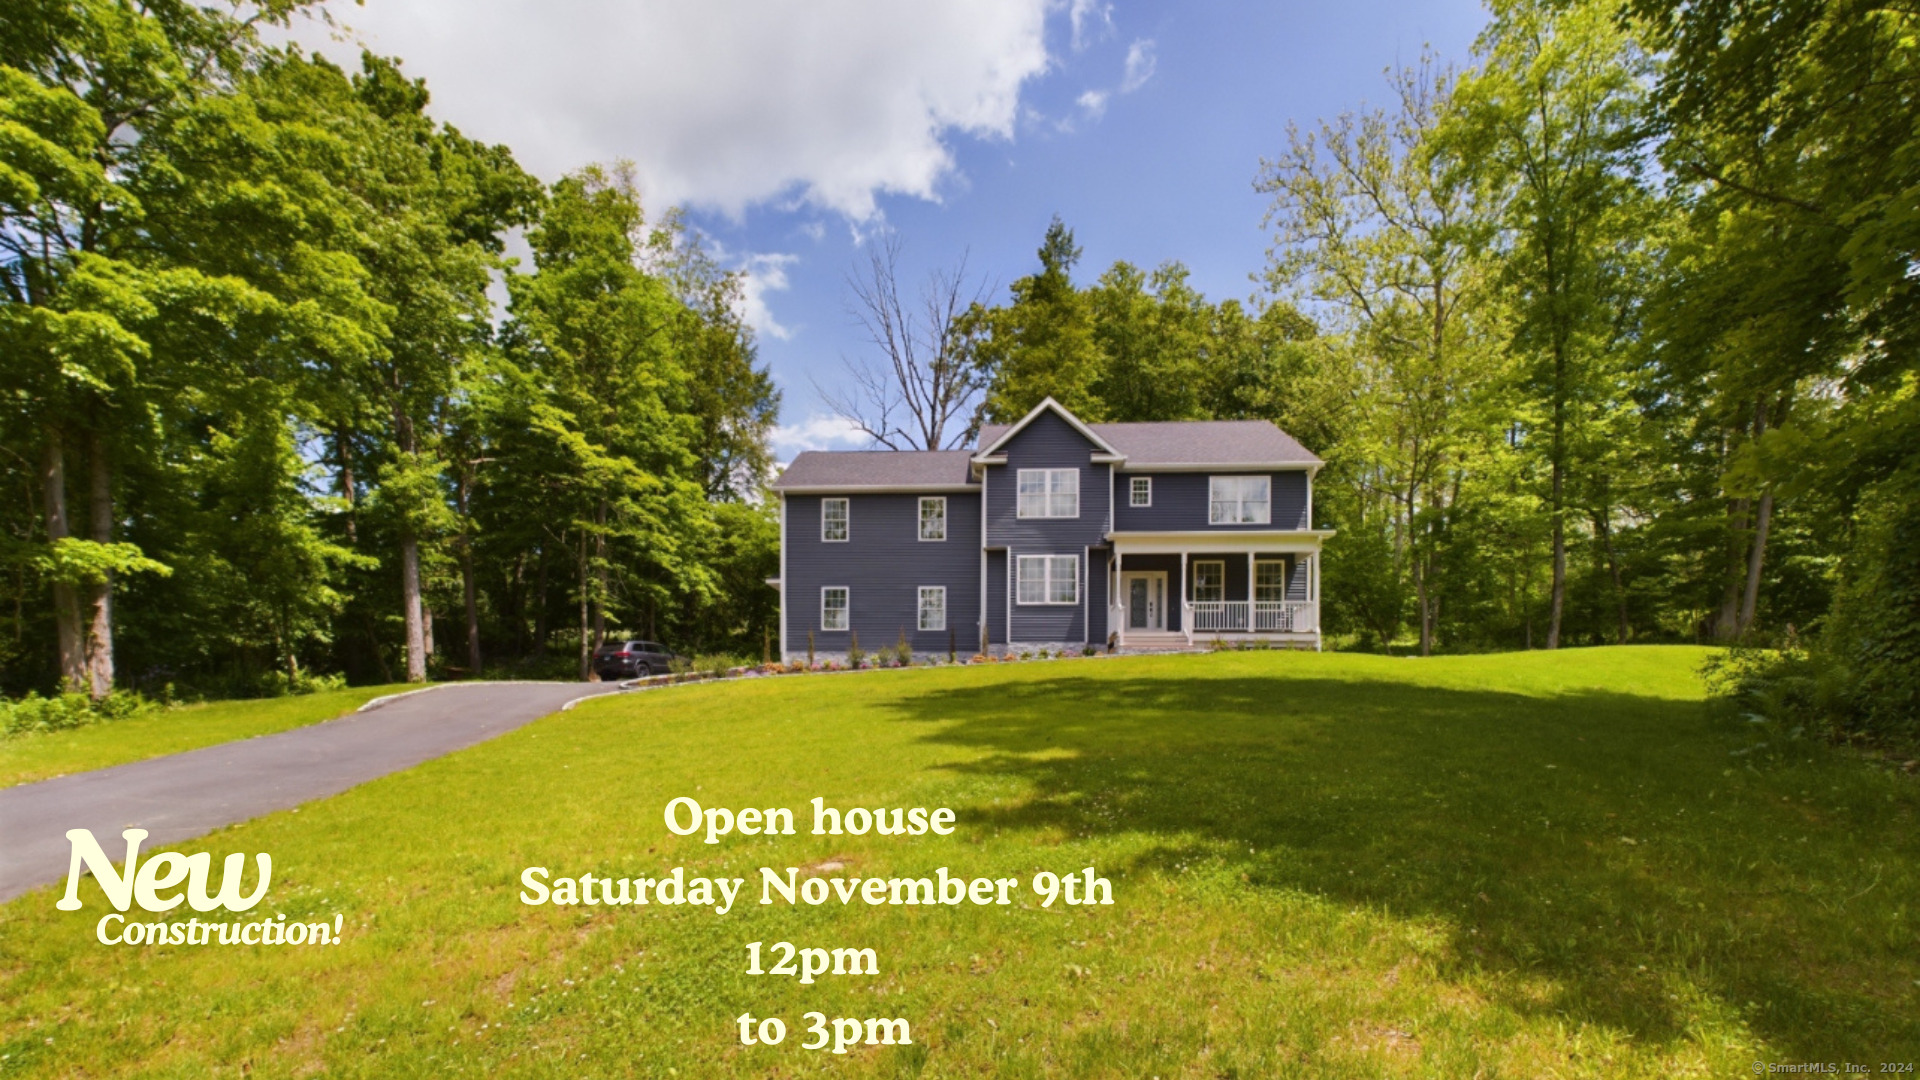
x: 1049, y: 493
x: 1239, y: 500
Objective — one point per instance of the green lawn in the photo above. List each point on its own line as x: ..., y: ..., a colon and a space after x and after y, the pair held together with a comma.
x: 169, y: 731
x: 1324, y: 865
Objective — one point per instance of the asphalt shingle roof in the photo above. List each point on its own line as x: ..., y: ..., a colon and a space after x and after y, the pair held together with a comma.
x: 1193, y: 442
x: 876, y: 468
x: 1177, y: 442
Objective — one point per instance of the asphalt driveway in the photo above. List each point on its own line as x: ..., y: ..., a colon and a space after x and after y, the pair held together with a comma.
x: 182, y: 796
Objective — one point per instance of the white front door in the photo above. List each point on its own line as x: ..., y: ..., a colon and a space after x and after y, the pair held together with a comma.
x: 1144, y: 592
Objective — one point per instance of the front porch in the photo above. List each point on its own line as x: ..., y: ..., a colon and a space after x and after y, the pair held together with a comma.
x: 1195, y: 596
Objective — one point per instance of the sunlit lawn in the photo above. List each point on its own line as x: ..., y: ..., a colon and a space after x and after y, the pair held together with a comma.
x: 169, y: 731
x: 1324, y: 865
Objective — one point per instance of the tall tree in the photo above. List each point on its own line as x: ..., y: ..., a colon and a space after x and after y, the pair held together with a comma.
x: 1374, y: 224
x: 1548, y: 122
x: 925, y: 393
x: 1042, y: 344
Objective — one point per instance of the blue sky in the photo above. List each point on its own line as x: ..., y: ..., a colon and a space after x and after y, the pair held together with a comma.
x: 793, y: 130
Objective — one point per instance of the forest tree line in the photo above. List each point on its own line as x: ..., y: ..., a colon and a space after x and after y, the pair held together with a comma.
x: 1606, y: 336
x: 264, y: 420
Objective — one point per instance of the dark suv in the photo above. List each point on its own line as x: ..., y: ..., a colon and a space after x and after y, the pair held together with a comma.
x: 630, y: 659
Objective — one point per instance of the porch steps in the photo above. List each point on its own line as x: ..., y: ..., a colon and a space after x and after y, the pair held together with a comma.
x: 1149, y: 641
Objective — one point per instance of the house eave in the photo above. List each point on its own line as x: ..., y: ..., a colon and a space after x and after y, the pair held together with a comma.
x: 1172, y: 543
x: 877, y: 489
x: 1221, y: 466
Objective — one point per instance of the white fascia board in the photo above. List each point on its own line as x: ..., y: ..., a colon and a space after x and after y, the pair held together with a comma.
x: 1173, y: 543
x: 1049, y: 403
x: 879, y: 489
x: 1224, y: 466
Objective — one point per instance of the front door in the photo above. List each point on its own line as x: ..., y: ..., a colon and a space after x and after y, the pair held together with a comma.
x: 1146, y: 593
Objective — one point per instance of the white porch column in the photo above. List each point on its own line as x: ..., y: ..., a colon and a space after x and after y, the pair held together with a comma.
x: 1119, y: 562
x: 1186, y: 627
x: 1251, y: 621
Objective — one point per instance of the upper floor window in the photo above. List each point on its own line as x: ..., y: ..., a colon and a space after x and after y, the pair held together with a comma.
x: 1140, y: 491
x: 933, y: 518
x: 1049, y: 493
x: 1049, y: 579
x: 834, y: 519
x: 1239, y: 500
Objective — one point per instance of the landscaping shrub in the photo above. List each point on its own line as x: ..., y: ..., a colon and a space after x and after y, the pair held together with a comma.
x: 35, y: 715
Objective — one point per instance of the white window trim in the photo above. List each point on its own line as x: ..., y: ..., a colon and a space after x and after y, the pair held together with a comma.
x: 848, y: 610
x: 920, y: 610
x: 1267, y: 520
x: 1019, y: 508
x: 919, y: 521
x: 1046, y: 581
x: 824, y: 538
x: 1134, y: 486
x: 1222, y: 565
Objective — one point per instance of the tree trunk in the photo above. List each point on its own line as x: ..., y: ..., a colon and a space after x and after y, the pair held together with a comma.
x: 600, y: 574
x: 1726, y: 623
x: 1425, y: 605
x: 411, y: 606
x: 100, y: 594
x: 586, y: 647
x: 540, y: 628
x: 66, y: 603
x: 469, y: 589
x: 1604, y: 527
x: 344, y: 448
x: 1751, y: 599
x: 1558, y: 594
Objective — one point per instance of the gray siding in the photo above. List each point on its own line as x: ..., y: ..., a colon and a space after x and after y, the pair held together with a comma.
x: 1180, y: 503
x: 1048, y: 443
x: 997, y: 597
x: 883, y: 564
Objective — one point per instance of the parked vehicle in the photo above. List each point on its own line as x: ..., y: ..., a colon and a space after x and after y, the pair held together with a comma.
x: 631, y: 659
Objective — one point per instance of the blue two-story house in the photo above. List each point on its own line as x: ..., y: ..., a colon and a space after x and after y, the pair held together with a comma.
x: 1054, y: 534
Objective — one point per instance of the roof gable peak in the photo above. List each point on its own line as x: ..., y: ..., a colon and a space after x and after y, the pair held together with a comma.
x: 1047, y: 403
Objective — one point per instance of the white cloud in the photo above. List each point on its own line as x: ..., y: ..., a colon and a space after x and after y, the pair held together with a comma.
x: 1139, y: 68
x: 761, y: 275
x: 1092, y: 21
x: 817, y: 432
x: 724, y: 103
x: 1140, y: 64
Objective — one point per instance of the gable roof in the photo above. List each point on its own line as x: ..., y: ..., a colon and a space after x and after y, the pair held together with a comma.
x: 1190, y: 443
x: 1002, y: 434
x: 898, y: 469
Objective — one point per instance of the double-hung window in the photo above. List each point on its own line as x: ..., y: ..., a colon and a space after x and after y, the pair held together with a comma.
x: 1049, y: 493
x: 1239, y: 500
x: 1269, y: 581
x: 1209, y: 582
x: 835, y: 520
x: 833, y: 607
x: 933, y: 517
x: 933, y: 607
x: 1140, y: 491
x: 1049, y: 579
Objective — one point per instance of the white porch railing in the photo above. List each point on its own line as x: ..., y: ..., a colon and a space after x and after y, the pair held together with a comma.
x: 1267, y: 616
x: 1210, y: 616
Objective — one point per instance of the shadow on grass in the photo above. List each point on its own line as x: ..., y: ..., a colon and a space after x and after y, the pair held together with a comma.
x: 1594, y: 843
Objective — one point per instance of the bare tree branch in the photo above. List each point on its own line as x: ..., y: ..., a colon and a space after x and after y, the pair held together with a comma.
x: 920, y: 394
